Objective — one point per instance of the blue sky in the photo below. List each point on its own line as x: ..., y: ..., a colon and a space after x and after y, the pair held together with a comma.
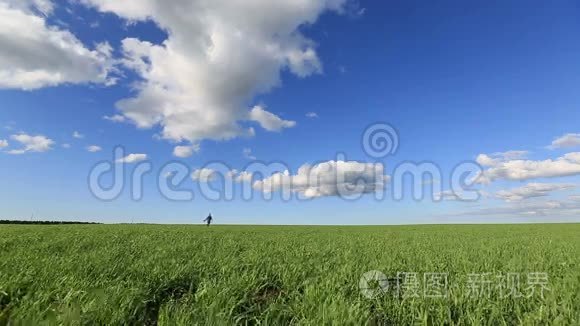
x: 459, y: 82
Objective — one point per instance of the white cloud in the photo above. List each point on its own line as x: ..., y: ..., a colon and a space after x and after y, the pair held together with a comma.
x: 232, y: 173
x: 218, y: 56
x: 248, y: 154
x: 3, y: 143
x: 115, y: 118
x: 31, y: 144
x: 78, y: 135
x: 531, y: 190
x: 486, y: 160
x: 498, y: 157
x: 568, y: 140
x: 185, y: 151
x: 566, y: 165
x: 44, y: 7
x: 34, y: 54
x: 244, y: 176
x: 332, y: 178
x: 67, y: 146
x: 268, y: 120
x: 573, y: 157
x: 312, y: 115
x: 94, y: 148
x: 132, y: 158
x: 203, y: 175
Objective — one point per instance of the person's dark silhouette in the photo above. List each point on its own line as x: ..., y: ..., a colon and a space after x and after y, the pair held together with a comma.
x: 208, y: 219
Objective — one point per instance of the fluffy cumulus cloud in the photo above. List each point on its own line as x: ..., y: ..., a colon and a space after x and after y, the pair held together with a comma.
x: 203, y: 175
x: 568, y: 140
x: 199, y: 83
x: 94, y: 148
x: 3, y: 143
x: 269, y: 120
x: 30, y: 143
x: 519, y: 169
x: 532, y: 190
x: 185, y: 151
x: 132, y: 158
x: 332, y: 178
x: 312, y: 115
x: 243, y: 176
x: 34, y: 54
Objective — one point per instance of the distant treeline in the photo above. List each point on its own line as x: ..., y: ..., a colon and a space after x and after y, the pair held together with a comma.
x: 44, y: 222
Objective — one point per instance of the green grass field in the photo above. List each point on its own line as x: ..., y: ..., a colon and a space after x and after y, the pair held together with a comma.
x: 148, y: 274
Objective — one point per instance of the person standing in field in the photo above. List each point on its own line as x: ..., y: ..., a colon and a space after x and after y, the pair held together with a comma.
x: 208, y: 219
